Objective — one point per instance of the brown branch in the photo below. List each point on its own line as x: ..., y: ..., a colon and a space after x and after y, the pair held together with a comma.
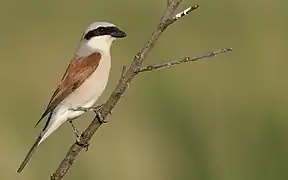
x: 127, y: 75
x: 183, y: 60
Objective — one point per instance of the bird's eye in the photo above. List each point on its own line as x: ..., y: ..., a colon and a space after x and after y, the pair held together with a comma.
x: 101, y: 29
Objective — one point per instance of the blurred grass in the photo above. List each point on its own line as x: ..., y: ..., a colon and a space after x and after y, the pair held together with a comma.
x: 222, y: 118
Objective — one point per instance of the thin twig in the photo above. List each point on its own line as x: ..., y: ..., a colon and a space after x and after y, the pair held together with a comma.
x: 126, y: 78
x: 183, y: 60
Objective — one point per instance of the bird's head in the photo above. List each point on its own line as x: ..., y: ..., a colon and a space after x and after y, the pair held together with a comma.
x: 100, y: 35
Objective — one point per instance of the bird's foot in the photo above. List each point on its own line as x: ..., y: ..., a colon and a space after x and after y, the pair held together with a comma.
x: 83, y: 145
x: 99, y: 117
x: 86, y: 146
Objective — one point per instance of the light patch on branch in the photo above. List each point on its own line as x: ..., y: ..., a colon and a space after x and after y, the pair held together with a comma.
x: 185, y: 12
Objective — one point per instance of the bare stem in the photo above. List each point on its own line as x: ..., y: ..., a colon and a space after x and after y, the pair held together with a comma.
x: 183, y: 60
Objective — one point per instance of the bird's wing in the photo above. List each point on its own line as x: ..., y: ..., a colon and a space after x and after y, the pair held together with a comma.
x: 77, y: 72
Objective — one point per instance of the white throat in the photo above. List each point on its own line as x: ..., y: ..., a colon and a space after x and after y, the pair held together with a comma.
x: 101, y: 42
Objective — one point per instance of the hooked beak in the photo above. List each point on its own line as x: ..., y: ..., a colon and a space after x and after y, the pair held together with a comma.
x: 118, y: 33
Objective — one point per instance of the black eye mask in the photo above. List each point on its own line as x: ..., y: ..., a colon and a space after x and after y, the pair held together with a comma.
x: 101, y: 31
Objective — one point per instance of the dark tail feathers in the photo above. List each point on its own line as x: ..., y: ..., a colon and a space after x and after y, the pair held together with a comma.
x: 30, y: 153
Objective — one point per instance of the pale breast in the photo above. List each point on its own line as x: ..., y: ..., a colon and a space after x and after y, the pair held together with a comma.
x: 88, y: 92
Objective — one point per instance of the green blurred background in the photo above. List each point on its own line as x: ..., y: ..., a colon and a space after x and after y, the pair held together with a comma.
x: 223, y: 118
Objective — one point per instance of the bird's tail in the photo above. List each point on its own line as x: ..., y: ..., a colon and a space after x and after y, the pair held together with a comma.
x: 30, y: 153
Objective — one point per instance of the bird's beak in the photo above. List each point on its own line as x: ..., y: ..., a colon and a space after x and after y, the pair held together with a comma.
x: 118, y: 33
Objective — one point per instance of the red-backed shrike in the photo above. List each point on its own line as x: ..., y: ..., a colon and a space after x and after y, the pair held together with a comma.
x: 83, y: 82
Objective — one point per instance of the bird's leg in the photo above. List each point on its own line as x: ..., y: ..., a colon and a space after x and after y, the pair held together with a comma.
x: 96, y: 111
x: 78, y: 136
x: 76, y: 132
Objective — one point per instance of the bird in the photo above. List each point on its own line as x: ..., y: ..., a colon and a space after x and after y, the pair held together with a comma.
x: 83, y: 82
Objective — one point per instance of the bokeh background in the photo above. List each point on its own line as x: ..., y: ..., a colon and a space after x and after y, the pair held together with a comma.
x: 223, y: 118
